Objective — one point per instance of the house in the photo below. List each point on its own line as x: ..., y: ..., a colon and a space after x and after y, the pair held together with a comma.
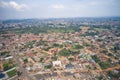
x: 31, y: 60
x: 28, y: 68
x: 30, y: 55
x: 53, y: 50
x: 69, y: 66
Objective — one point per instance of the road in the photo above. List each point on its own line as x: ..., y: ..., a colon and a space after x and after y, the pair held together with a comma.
x: 109, y: 69
x: 25, y: 75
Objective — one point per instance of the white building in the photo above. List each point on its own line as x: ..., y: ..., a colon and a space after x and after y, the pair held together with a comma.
x: 56, y: 63
x: 8, y: 57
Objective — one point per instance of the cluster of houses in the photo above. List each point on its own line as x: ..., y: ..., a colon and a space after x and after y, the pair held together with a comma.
x: 44, y: 61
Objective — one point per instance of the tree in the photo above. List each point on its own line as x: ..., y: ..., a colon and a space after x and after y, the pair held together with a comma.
x: 25, y: 60
x: 48, y: 66
x: 41, y: 59
x: 19, y: 73
x: 64, y: 52
x: 96, y: 58
x: 104, y: 65
x: 78, y: 46
x: 71, y: 59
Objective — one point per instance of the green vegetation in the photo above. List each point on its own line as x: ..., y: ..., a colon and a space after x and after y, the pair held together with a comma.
x: 65, y: 52
x: 71, y: 59
x: 110, y: 54
x: 45, y: 29
x: 48, y: 66
x: 113, y: 75
x: 55, y: 57
x: 60, y: 30
x: 99, y: 29
x: 56, y: 45
x: 3, y: 32
x: 104, y: 65
x: 100, y: 77
x: 41, y: 59
x: 90, y: 34
x: 25, y: 60
x: 8, y: 65
x: 78, y: 46
x: 117, y: 47
x: 104, y: 51
x: 41, y: 42
x: 96, y: 58
x: 4, y: 53
x: 12, y: 73
x: 35, y: 30
x: 19, y: 73
x: 30, y: 44
x: 47, y: 48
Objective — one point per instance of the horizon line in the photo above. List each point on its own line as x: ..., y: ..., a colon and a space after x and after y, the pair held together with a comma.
x: 62, y: 17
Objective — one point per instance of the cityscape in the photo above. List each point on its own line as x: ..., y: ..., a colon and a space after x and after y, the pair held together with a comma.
x: 59, y: 47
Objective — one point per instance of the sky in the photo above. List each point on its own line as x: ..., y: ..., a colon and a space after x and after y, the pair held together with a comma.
x: 24, y: 9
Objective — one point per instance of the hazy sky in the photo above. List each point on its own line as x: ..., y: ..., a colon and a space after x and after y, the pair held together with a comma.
x: 17, y: 9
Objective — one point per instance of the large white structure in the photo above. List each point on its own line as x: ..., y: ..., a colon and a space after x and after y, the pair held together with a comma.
x: 56, y: 63
x: 8, y: 57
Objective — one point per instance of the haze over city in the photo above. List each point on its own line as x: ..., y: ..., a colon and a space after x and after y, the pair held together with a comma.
x: 59, y: 39
x: 22, y: 9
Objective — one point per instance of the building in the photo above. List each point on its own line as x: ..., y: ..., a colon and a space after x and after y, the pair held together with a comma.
x: 57, y: 64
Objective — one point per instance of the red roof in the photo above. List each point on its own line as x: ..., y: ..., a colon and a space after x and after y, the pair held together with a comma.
x: 30, y: 54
